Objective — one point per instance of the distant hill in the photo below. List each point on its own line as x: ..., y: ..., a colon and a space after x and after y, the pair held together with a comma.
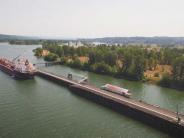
x: 4, y: 37
x: 109, y: 40
x: 139, y: 40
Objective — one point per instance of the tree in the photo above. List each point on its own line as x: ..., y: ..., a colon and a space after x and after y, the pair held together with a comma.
x: 51, y: 57
x: 102, y: 68
x: 110, y: 58
x: 38, y: 52
x: 178, y: 68
x: 76, y: 63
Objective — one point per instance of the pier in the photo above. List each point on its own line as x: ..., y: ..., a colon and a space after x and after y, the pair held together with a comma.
x: 48, y: 63
x: 162, y: 119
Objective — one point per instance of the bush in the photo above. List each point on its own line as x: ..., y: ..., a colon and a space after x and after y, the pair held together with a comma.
x: 156, y: 74
x: 86, y: 66
x: 63, y: 60
x: 102, y: 68
x: 51, y: 57
x: 75, y: 63
x: 171, y: 83
x: 38, y: 52
x: 165, y: 81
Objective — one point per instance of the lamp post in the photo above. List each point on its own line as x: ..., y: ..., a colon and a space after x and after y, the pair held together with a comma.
x: 177, y: 114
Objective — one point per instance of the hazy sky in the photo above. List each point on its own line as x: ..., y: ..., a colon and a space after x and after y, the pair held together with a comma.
x: 92, y: 18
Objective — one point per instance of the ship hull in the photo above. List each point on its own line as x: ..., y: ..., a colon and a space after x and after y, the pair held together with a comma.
x: 6, y: 69
x: 16, y: 74
x: 20, y: 75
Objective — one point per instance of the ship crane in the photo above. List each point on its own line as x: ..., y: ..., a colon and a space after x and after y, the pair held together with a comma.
x: 16, y: 58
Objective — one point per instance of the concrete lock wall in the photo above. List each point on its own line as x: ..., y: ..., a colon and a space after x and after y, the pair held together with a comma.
x: 158, y: 123
x: 168, y: 126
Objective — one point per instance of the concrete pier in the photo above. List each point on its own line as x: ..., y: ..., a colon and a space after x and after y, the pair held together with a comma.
x: 48, y: 63
x: 155, y: 116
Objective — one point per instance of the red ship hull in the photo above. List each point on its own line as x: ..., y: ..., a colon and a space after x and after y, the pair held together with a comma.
x: 6, y: 69
x: 18, y: 75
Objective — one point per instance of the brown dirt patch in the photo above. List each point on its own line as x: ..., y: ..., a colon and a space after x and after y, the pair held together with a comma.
x: 157, y: 74
x: 83, y: 59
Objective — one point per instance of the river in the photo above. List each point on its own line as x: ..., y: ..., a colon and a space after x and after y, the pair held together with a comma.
x: 41, y: 109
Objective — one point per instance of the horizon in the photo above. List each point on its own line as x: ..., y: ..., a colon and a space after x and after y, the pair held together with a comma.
x: 70, y: 38
x: 92, y: 19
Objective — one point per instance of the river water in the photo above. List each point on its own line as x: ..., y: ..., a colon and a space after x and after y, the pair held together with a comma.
x: 41, y: 109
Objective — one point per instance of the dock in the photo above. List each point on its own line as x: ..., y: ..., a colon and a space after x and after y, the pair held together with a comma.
x: 162, y: 119
x: 48, y: 63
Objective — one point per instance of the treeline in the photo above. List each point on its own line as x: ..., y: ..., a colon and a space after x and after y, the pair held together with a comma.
x: 176, y: 80
x: 130, y: 62
x: 25, y: 42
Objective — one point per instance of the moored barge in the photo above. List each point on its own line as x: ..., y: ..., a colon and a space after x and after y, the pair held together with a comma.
x: 117, y: 90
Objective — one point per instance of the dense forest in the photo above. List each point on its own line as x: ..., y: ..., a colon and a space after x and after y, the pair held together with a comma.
x: 122, y: 62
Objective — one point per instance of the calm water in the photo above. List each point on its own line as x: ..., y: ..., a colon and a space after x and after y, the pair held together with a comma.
x: 41, y: 109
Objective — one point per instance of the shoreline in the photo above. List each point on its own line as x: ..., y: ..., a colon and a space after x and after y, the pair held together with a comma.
x: 126, y: 78
x: 139, y: 68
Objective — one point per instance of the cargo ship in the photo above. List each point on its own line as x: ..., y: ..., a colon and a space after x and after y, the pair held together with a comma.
x: 117, y: 90
x: 19, y: 69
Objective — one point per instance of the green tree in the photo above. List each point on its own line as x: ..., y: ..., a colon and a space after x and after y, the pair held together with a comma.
x: 38, y: 52
x: 51, y: 57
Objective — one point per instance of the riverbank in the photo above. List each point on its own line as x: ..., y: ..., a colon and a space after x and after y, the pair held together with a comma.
x: 156, y: 80
x: 149, y: 77
x: 152, y: 79
x: 176, y: 85
x: 134, y: 63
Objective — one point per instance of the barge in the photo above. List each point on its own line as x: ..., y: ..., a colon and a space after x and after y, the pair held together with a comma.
x: 117, y: 90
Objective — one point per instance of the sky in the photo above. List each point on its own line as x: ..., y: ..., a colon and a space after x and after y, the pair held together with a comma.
x: 92, y: 18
